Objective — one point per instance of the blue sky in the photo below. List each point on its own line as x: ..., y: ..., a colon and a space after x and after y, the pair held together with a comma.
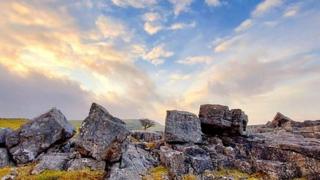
x: 139, y: 58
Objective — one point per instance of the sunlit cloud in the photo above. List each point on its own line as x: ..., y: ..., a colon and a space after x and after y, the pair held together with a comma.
x: 157, y: 54
x: 180, y: 6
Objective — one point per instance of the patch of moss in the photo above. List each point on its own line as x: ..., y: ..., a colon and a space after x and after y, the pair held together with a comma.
x: 189, y: 177
x: 156, y: 173
x: 235, y: 174
x: 24, y: 174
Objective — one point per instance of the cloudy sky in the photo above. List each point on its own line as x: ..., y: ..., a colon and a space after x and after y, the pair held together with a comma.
x: 139, y: 58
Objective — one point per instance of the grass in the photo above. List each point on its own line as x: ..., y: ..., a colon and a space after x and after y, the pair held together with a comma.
x: 157, y: 173
x: 24, y: 174
x: 13, y: 123
x: 236, y: 174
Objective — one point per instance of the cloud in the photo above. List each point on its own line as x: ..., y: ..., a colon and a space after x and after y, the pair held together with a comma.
x: 180, y: 6
x: 153, y: 22
x: 265, y: 6
x: 291, y: 11
x: 214, y: 3
x: 178, y: 26
x: 244, y: 25
x: 64, y: 59
x: 157, y: 54
x: 195, y: 60
x: 134, y: 3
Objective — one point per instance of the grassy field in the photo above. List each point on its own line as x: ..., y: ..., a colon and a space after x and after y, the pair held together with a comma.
x: 132, y: 124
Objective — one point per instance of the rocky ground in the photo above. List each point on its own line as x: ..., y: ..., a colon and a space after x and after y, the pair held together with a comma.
x: 191, y: 147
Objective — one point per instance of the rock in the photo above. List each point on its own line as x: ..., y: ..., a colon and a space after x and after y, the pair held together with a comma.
x: 101, y: 135
x: 3, y: 134
x: 134, y: 164
x: 182, y: 127
x: 218, y: 119
x: 38, y: 135
x: 146, y: 136
x: 199, y: 158
x: 275, y: 169
x: 12, y: 175
x: 175, y: 161
x: 83, y: 163
x: 55, y: 161
x: 279, y: 121
x: 4, y: 158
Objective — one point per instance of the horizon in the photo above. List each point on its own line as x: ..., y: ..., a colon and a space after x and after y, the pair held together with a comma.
x: 141, y: 58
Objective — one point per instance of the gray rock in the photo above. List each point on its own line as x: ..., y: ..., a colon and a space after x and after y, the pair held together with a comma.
x: 134, y: 164
x: 146, y: 136
x: 199, y: 158
x: 55, y: 161
x: 101, y: 135
x: 279, y: 121
x: 182, y: 127
x: 174, y: 160
x: 82, y: 163
x: 3, y: 134
x: 38, y: 135
x: 218, y: 119
x: 4, y: 158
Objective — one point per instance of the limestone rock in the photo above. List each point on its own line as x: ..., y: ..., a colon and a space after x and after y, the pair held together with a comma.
x: 182, y: 127
x: 134, y: 164
x: 218, y: 119
x: 146, y: 136
x: 3, y: 134
x: 38, y: 135
x: 174, y: 160
x: 55, y: 161
x: 4, y: 158
x: 199, y: 159
x: 279, y: 120
x: 83, y: 163
x: 101, y: 135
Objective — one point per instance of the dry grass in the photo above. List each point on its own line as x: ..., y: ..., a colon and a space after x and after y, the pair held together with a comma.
x: 24, y: 174
x: 157, y: 173
x: 236, y: 174
x: 12, y: 123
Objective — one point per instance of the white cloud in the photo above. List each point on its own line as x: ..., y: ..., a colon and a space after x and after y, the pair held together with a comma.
x: 214, y: 3
x: 152, y: 28
x: 178, y: 26
x: 134, y: 3
x: 180, y: 6
x: 291, y: 11
x: 196, y: 60
x: 157, y: 54
x: 265, y: 6
x: 244, y: 25
x: 111, y: 28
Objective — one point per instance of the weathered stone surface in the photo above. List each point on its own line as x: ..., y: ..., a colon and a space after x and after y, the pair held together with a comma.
x: 199, y: 159
x: 134, y: 164
x: 101, y: 135
x: 4, y: 158
x: 146, y: 136
x: 55, y: 161
x: 175, y: 161
x: 36, y: 136
x: 218, y: 119
x: 83, y: 163
x: 279, y: 121
x: 182, y: 127
x: 3, y: 134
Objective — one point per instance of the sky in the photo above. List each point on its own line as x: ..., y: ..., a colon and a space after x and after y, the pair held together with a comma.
x: 139, y: 58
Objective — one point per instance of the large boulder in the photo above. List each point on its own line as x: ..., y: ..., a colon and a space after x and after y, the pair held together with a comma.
x: 54, y: 161
x: 38, y: 135
x: 4, y: 158
x: 101, y: 135
x: 174, y: 160
x: 134, y: 164
x: 279, y: 121
x: 182, y: 127
x: 3, y: 133
x: 218, y: 119
x: 199, y: 159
